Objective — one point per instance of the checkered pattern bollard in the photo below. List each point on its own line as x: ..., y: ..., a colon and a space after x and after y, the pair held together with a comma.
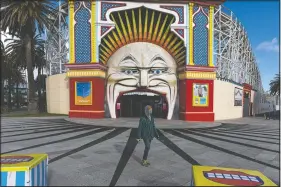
x: 24, y: 170
x: 216, y: 176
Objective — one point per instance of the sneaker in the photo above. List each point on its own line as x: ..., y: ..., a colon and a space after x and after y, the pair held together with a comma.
x: 145, y: 163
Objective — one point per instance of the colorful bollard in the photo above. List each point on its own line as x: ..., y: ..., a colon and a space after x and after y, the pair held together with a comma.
x: 217, y: 176
x: 24, y: 170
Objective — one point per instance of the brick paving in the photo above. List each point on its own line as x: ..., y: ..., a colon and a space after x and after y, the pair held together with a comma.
x: 103, y: 152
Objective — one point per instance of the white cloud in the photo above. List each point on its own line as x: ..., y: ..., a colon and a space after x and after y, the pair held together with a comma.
x: 269, y: 45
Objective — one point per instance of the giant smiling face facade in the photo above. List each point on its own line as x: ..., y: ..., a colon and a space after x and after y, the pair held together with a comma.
x: 141, y: 66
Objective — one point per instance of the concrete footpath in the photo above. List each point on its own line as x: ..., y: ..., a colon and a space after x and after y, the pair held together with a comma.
x: 167, y: 124
x: 83, y: 156
x: 133, y: 123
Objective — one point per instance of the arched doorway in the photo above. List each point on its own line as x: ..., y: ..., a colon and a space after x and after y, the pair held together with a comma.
x: 132, y: 104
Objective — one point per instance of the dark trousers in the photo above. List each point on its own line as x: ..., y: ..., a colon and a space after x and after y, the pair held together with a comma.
x: 147, y: 143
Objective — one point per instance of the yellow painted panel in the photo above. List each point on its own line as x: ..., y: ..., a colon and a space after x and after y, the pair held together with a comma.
x: 200, y: 99
x: 86, y: 73
x: 198, y: 75
x: 210, y: 176
x: 211, y: 13
x: 71, y: 33
x: 191, y: 34
x: 93, y: 33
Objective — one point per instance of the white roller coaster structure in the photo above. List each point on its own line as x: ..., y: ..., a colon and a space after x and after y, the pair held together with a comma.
x: 233, y: 55
x: 57, y: 48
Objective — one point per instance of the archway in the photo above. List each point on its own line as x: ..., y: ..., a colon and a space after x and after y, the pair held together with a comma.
x: 142, y: 57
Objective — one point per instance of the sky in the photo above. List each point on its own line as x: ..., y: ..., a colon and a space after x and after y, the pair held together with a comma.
x: 261, y: 21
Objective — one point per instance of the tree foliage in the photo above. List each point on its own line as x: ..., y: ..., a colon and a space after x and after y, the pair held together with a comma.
x: 275, y: 85
x: 25, y: 19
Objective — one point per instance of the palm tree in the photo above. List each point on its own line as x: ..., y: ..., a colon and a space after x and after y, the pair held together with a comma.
x: 16, y: 49
x: 11, y: 73
x: 26, y: 18
x: 15, y: 78
x: 275, y: 85
x: 40, y: 63
x: 3, y: 72
x: 41, y: 86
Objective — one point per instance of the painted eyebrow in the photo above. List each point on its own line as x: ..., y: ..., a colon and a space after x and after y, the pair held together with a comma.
x: 157, y: 57
x: 129, y: 57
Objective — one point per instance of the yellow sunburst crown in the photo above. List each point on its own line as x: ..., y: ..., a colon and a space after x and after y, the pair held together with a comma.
x: 142, y: 25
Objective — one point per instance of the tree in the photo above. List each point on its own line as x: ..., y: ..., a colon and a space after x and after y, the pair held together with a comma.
x: 41, y: 85
x: 16, y: 48
x: 11, y: 73
x: 275, y: 85
x: 25, y: 18
x: 40, y: 62
x: 3, y: 73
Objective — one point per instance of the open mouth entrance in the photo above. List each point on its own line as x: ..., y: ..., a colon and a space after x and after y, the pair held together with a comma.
x: 132, y: 104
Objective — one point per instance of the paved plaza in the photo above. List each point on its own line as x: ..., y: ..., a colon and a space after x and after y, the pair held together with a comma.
x: 105, y: 152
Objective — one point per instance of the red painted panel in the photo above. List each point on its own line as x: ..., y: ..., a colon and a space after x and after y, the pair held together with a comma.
x: 182, y: 96
x: 210, y: 116
x: 86, y: 115
x: 98, y: 88
x: 247, y: 86
x: 195, y: 113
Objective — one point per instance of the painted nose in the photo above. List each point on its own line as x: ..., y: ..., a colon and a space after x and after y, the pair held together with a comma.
x: 143, y: 78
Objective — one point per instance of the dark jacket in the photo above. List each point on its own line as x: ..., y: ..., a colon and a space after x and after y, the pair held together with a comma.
x: 147, y: 129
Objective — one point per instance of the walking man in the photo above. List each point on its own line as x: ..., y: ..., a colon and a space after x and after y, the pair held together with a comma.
x: 146, y: 132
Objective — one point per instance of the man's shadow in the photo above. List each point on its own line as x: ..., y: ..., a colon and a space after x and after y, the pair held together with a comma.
x: 120, y: 149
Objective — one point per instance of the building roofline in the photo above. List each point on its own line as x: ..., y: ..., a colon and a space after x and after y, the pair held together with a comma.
x: 199, y: 2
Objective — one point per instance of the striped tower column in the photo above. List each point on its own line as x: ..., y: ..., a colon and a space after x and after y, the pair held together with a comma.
x: 211, y: 36
x: 84, y: 73
x: 191, y: 62
x: 195, y: 106
x: 71, y: 33
x: 94, y: 35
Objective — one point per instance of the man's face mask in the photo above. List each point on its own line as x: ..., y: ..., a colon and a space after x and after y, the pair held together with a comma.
x: 150, y: 111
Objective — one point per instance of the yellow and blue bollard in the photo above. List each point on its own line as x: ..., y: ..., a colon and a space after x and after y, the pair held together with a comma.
x: 217, y: 176
x: 24, y: 170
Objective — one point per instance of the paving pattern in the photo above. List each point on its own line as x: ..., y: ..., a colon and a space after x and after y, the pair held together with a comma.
x: 87, y: 155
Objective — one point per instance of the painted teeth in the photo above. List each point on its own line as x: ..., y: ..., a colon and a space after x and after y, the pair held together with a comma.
x: 229, y: 176
x: 141, y: 93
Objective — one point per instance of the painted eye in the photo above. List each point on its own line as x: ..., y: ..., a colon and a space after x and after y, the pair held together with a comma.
x: 130, y: 71
x: 157, y: 71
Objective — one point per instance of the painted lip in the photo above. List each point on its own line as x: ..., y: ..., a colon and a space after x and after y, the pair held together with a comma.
x: 15, y: 159
x: 142, y: 90
x: 235, y: 178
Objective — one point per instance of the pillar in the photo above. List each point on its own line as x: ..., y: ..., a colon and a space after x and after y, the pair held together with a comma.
x: 89, y: 104
x: 196, y: 107
x: 197, y: 77
x: 85, y: 74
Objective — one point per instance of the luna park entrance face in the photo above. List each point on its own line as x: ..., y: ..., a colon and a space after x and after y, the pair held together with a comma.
x: 133, y: 105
